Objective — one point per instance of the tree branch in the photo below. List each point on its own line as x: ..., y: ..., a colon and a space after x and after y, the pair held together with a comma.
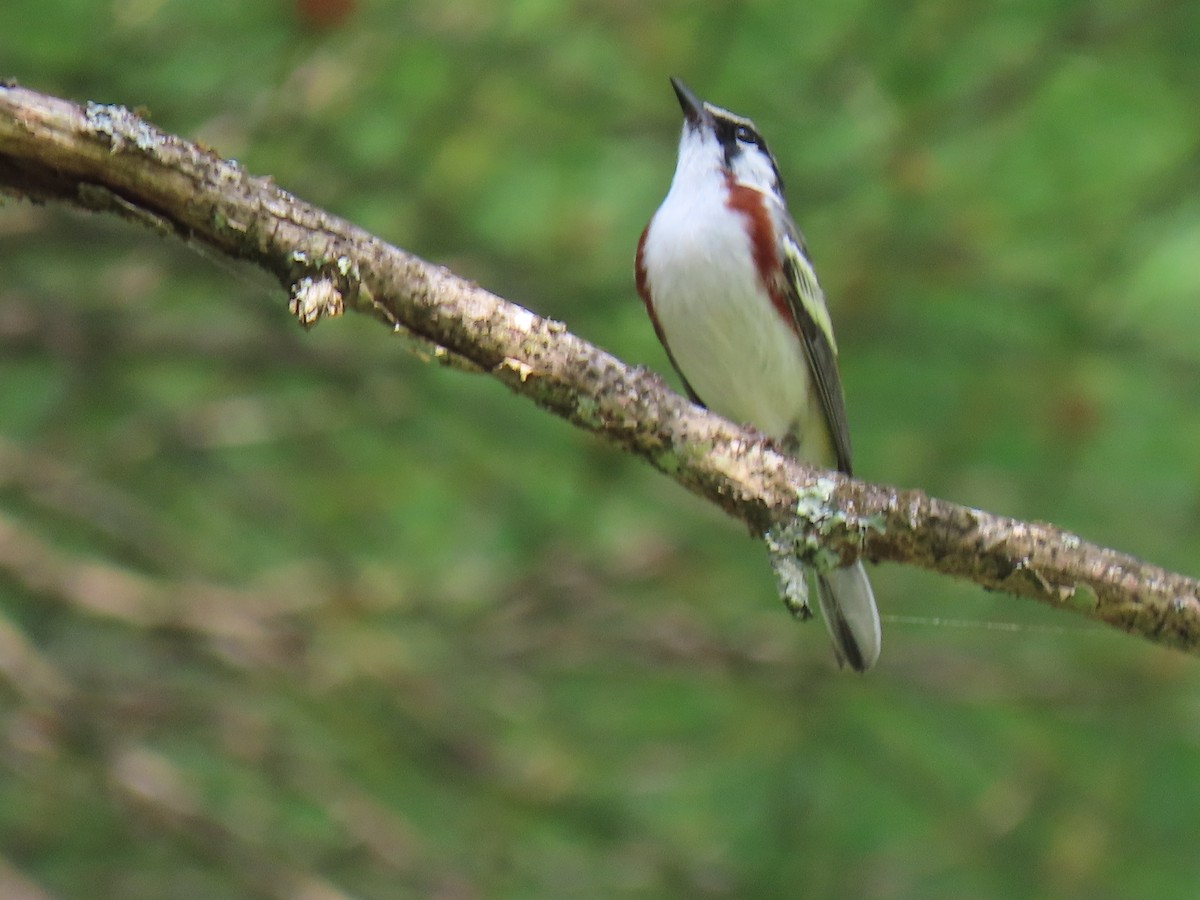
x: 105, y: 158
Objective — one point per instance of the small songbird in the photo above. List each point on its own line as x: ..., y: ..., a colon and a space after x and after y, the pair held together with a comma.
x: 735, y: 302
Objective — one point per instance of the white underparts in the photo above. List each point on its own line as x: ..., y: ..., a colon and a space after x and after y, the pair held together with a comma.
x: 741, y: 357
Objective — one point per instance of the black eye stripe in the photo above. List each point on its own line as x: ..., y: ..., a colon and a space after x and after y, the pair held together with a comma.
x: 730, y: 132
x: 735, y: 136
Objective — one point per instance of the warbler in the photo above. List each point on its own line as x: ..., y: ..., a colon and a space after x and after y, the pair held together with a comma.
x: 735, y: 301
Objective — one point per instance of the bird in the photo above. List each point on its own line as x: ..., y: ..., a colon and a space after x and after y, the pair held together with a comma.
x: 734, y: 299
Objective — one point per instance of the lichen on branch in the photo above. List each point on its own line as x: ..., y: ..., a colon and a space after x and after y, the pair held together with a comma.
x: 107, y: 158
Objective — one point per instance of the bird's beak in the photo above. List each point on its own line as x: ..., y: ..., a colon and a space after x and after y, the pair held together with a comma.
x: 692, y: 106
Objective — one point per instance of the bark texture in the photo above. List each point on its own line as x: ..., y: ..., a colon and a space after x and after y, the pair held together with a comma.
x: 105, y: 158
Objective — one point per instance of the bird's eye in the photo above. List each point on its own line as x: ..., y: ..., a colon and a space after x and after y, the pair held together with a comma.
x: 746, y: 134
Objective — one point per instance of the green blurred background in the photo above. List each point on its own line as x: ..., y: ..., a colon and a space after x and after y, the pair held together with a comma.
x: 294, y: 614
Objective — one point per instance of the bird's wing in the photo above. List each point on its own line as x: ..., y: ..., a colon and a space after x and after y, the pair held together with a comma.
x: 806, y: 300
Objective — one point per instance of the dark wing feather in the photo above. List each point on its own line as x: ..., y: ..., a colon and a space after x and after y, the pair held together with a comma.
x: 807, y: 303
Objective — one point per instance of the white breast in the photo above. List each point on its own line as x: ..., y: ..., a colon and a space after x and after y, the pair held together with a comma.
x: 736, y: 351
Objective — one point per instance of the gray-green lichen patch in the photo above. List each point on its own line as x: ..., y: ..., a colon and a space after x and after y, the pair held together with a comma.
x: 797, y: 538
x: 812, y: 502
x: 797, y: 544
x: 120, y: 126
x: 586, y: 410
x: 791, y: 578
x: 815, y: 518
x: 876, y: 522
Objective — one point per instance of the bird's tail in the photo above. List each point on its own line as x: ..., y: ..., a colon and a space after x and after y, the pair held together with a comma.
x: 848, y: 605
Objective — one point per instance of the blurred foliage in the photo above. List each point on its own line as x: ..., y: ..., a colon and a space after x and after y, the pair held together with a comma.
x: 288, y: 614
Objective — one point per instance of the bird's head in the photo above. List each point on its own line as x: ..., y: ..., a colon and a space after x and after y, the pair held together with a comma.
x: 716, y: 142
